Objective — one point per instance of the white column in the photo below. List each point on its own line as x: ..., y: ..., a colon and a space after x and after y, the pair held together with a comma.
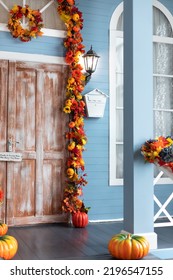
x: 138, y: 118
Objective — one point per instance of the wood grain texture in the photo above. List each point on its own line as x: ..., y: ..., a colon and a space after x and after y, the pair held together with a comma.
x: 37, y: 122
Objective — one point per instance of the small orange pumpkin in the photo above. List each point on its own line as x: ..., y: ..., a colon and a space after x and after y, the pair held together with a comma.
x: 80, y: 219
x: 3, y: 229
x: 128, y: 246
x: 8, y: 247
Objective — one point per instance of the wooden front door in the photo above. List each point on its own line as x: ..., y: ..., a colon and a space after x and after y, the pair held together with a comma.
x: 31, y: 116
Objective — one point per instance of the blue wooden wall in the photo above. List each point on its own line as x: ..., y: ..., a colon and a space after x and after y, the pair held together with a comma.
x: 106, y: 201
x: 42, y: 45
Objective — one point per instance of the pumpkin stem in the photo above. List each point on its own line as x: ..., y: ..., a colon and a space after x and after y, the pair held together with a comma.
x: 128, y: 236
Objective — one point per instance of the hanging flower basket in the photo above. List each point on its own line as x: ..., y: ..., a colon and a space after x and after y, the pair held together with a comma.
x: 160, y: 152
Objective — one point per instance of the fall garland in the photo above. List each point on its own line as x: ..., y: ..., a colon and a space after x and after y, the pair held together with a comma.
x: 34, y: 22
x: 75, y: 107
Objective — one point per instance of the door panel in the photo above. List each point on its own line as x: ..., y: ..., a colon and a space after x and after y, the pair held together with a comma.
x: 25, y: 109
x: 23, y: 188
x: 52, y: 171
x: 36, y: 125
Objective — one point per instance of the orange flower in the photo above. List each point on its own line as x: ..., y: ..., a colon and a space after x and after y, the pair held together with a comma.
x: 70, y: 2
x: 78, y: 96
x: 71, y: 80
x: 71, y: 146
x: 70, y: 172
x: 76, y: 28
x: 67, y: 110
x: 75, y: 17
x: 83, y: 141
x: 80, y: 88
x: 71, y: 124
x: 68, y: 102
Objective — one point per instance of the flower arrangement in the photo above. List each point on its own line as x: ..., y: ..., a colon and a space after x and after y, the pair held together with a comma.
x: 75, y: 107
x: 34, y: 23
x: 159, y: 150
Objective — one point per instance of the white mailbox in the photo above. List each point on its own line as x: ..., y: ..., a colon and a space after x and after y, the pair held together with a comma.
x: 95, y: 101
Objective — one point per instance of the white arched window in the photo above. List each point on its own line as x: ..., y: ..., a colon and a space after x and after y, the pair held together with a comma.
x: 53, y: 25
x: 162, y: 84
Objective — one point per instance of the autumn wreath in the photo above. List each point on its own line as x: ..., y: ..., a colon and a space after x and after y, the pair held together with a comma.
x: 33, y: 23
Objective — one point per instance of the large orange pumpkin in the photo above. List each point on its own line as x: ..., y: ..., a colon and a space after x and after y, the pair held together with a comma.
x: 8, y: 247
x: 3, y: 229
x: 128, y: 246
x: 80, y: 219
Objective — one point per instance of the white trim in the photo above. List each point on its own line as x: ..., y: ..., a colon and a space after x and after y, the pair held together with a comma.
x: 106, y: 221
x: 32, y: 57
x: 4, y: 6
x: 115, y: 16
x: 163, y: 76
x: 164, y: 10
x: 46, y: 6
x: 53, y: 33
x: 163, y: 110
x: 113, y: 181
x: 46, y: 31
x: 164, y: 40
x: 164, y: 181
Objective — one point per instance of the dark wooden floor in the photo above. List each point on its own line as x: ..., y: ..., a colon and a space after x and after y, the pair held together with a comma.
x: 63, y: 241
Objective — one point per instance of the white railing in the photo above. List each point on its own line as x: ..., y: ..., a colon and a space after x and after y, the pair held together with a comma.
x: 162, y: 206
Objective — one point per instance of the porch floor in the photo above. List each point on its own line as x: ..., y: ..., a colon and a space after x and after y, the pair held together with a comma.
x: 63, y: 241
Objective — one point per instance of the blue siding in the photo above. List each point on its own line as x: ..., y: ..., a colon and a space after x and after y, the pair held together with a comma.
x: 168, y: 4
x: 106, y: 202
x: 42, y: 45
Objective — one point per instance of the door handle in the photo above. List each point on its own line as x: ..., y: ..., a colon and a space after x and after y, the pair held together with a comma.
x: 10, y: 145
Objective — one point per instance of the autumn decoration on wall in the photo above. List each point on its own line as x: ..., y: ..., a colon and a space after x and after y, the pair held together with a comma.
x: 29, y: 28
x: 75, y: 107
x: 159, y: 151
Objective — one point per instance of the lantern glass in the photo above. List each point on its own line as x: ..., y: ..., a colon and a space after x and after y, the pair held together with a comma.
x: 90, y: 61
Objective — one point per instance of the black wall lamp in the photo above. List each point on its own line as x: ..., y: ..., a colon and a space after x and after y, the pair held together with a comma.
x: 90, y: 63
